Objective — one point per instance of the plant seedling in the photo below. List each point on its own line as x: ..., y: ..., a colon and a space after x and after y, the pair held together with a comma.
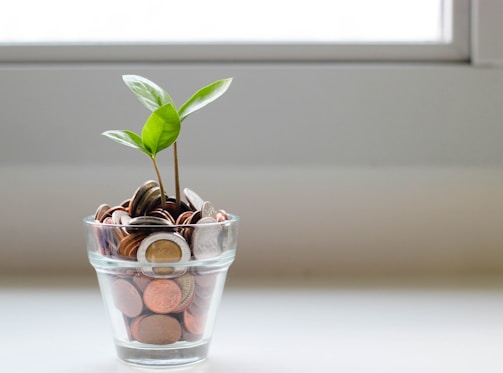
x: 162, y: 127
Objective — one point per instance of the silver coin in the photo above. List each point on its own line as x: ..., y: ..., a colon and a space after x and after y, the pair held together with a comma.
x: 195, y: 202
x: 145, y: 223
x: 206, y: 239
x: 207, y: 210
x: 120, y: 217
x: 149, y: 220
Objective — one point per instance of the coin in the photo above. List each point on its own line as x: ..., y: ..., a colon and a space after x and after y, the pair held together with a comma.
x: 183, y: 217
x: 138, y: 194
x: 163, y: 247
x: 120, y: 216
x: 125, y: 203
x: 195, y: 202
x: 100, y: 212
x: 198, y: 307
x: 156, y: 329
x: 206, y: 239
x: 145, y: 224
x: 162, y: 213
x: 221, y: 215
x: 162, y: 296
x: 148, y: 201
x: 188, y: 286
x: 149, y: 220
x: 195, y: 217
x: 141, y: 281
x: 129, y: 245
x: 207, y: 210
x: 193, y: 324
x: 126, y: 298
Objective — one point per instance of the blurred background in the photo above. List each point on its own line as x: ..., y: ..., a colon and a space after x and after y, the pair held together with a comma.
x: 370, y: 151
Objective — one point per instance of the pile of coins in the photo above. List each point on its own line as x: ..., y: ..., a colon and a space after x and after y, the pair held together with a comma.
x: 164, y: 311
x: 162, y: 304
x: 144, y: 209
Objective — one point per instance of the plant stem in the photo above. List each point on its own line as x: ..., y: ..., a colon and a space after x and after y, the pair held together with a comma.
x: 163, y: 194
x: 177, y: 179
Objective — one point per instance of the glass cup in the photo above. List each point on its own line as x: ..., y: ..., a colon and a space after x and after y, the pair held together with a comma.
x: 161, y: 286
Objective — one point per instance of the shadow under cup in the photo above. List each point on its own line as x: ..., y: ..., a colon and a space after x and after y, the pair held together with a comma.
x: 162, y: 307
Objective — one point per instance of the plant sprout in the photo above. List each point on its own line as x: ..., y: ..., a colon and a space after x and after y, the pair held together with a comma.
x: 163, y: 126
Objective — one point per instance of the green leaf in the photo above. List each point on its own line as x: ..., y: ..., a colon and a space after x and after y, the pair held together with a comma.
x: 127, y: 138
x: 149, y: 93
x: 161, y: 129
x: 203, y: 97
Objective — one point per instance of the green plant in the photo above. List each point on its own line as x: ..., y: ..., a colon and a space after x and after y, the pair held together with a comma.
x: 162, y: 127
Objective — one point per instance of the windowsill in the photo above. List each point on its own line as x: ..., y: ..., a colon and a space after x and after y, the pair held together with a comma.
x: 269, y: 327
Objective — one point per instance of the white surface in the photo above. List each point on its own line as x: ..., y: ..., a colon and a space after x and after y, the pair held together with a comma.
x: 273, y: 329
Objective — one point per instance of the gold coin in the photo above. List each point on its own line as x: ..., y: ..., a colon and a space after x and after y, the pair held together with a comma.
x: 163, y: 251
x: 163, y: 247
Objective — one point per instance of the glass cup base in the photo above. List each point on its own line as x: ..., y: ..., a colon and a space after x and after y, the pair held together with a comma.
x: 157, y: 356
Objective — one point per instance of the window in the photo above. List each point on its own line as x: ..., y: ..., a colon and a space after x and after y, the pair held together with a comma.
x: 226, y: 30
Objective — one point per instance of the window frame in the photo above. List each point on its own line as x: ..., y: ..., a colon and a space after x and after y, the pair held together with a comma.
x: 457, y: 49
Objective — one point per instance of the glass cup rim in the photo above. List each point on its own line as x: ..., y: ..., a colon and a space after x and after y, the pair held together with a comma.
x: 90, y: 220
x: 103, y: 261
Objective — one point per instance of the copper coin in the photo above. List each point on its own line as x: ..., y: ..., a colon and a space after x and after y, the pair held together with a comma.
x: 221, y: 216
x: 126, y: 298
x: 183, y: 206
x: 141, y: 281
x: 195, y: 217
x: 156, y: 329
x: 162, y: 295
x: 108, y: 214
x: 133, y: 325
x: 171, y: 208
x: 198, y: 307
x: 162, y: 213
x: 193, y: 324
x: 100, y: 212
x: 125, y: 203
x: 128, y: 246
x: 184, y: 216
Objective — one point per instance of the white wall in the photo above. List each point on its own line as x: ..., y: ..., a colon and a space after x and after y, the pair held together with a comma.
x: 341, y: 169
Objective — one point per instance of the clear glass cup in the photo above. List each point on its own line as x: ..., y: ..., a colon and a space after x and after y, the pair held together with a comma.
x: 162, y: 304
